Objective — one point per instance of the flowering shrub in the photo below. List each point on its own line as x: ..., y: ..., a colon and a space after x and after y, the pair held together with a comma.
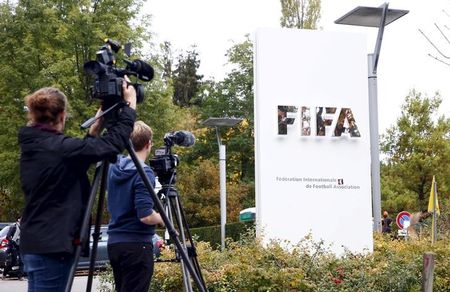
x: 248, y: 266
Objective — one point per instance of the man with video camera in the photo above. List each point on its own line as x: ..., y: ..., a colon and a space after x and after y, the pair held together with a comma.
x: 53, y: 174
x: 133, y: 219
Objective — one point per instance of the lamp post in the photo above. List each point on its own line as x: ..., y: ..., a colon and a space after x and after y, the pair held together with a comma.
x: 373, y: 17
x: 217, y: 123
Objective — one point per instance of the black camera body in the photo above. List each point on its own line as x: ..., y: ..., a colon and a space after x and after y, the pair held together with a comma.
x: 109, y: 85
x: 109, y: 78
x: 164, y: 165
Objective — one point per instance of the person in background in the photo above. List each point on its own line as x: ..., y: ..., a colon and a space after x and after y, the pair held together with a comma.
x: 13, y: 241
x: 133, y: 219
x: 14, y: 232
x: 53, y: 175
x: 386, y: 223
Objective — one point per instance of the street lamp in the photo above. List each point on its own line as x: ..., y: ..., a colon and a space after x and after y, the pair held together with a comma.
x: 222, y: 122
x: 373, y: 17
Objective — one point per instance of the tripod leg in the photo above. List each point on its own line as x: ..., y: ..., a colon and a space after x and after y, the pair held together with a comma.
x: 85, y: 224
x: 167, y: 209
x: 98, y: 221
x: 193, y: 256
x: 186, y: 280
x: 166, y: 232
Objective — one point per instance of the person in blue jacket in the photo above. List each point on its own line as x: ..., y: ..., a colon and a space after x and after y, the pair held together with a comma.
x: 133, y: 220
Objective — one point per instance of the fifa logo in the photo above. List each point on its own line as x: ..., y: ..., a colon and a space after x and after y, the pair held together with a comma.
x: 318, y: 121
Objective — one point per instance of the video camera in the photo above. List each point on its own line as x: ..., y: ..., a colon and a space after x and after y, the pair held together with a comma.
x: 165, y: 163
x: 108, y: 78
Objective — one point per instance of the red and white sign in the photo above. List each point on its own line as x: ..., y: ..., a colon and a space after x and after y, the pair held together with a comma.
x: 401, y: 218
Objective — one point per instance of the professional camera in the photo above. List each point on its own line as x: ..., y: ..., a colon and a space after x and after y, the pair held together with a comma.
x: 164, y: 163
x: 109, y: 78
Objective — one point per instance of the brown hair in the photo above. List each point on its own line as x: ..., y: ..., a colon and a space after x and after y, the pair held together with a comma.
x: 45, y: 104
x: 141, y: 135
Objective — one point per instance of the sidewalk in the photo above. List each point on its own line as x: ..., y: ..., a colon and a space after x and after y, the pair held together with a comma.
x: 79, y: 284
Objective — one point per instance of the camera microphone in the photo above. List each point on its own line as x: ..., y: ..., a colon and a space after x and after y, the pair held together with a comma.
x: 180, y: 138
x: 144, y: 71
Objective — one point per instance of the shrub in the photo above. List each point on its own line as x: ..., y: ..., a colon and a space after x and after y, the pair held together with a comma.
x: 248, y: 265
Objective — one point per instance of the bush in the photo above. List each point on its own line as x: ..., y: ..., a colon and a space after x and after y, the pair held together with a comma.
x: 211, y: 234
x: 246, y: 265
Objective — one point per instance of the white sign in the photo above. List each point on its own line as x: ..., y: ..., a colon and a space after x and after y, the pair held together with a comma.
x: 312, y: 138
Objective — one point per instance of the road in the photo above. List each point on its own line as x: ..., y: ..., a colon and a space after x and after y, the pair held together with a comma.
x: 79, y: 284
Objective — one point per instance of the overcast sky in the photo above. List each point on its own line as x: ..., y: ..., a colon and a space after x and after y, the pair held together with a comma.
x: 213, y: 26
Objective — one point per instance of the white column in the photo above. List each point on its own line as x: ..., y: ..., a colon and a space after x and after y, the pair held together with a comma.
x: 223, y: 194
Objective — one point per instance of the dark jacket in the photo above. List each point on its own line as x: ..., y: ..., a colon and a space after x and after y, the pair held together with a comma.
x: 128, y: 201
x: 55, y: 184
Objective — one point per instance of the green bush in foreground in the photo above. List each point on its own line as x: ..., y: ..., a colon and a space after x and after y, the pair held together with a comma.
x: 309, y: 266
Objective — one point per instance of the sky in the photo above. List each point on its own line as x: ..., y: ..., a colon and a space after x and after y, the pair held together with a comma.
x: 404, y: 64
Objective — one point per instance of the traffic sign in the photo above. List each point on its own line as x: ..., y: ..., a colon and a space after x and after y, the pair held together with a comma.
x: 401, y: 219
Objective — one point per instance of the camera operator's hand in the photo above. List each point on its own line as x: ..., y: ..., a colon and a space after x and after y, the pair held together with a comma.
x: 97, y: 127
x: 129, y: 93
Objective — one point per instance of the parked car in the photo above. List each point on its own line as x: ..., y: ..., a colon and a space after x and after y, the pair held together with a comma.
x: 4, y: 224
x: 4, y: 231
x: 101, y: 259
x: 248, y: 214
x: 10, y: 261
x: 102, y: 249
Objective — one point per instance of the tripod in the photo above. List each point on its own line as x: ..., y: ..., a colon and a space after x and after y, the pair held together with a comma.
x: 173, y: 208
x: 100, y: 182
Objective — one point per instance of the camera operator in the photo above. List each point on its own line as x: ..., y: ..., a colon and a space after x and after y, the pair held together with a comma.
x: 53, y: 174
x: 133, y: 219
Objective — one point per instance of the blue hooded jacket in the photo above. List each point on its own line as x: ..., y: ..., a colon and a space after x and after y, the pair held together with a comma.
x: 128, y: 201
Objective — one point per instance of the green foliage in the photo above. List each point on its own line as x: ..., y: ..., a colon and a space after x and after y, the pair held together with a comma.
x: 199, y: 176
x: 211, y: 234
x: 106, y: 280
x: 247, y: 265
x: 395, y: 196
x: 303, y: 14
x: 233, y: 97
x: 45, y: 43
x: 159, y: 112
x: 186, y: 81
x: 416, y: 148
x: 198, y: 185
x: 166, y: 60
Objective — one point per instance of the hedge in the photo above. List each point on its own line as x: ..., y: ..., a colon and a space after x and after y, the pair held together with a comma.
x: 247, y: 265
x: 211, y: 234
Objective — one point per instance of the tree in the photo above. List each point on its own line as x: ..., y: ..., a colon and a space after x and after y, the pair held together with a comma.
x: 166, y: 60
x: 200, y: 194
x: 416, y: 148
x: 303, y: 14
x: 186, y: 81
x: 233, y: 97
x: 45, y: 43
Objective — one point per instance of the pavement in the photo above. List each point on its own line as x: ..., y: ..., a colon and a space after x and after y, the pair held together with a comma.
x: 79, y: 284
